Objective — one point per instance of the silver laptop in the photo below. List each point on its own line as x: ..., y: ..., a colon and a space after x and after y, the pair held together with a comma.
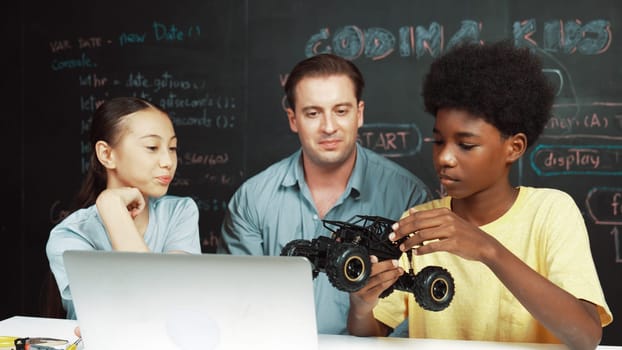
x: 177, y: 301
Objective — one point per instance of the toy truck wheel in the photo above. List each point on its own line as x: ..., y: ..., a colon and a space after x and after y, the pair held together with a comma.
x: 434, y: 288
x: 349, y: 267
x: 293, y: 248
x: 297, y: 247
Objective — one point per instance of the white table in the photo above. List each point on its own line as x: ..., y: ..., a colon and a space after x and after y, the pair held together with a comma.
x: 21, y: 326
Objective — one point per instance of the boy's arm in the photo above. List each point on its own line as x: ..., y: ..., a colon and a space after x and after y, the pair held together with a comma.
x: 361, y: 321
x: 575, y: 322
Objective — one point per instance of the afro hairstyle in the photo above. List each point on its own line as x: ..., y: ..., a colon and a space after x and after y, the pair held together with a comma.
x: 498, y: 82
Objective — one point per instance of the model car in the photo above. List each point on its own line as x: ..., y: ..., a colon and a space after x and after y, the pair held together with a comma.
x: 345, y: 258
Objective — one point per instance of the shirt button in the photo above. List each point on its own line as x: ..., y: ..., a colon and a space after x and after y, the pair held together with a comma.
x: 315, y: 217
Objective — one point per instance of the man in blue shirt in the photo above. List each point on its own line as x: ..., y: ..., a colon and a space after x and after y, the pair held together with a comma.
x: 331, y: 177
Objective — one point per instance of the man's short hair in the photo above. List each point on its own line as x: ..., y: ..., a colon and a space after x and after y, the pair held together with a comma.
x: 323, y: 65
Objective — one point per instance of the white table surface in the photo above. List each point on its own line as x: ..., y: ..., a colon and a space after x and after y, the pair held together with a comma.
x: 21, y: 326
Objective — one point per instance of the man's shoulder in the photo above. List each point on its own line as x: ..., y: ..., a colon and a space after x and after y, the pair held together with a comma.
x: 379, y: 163
x: 273, y: 175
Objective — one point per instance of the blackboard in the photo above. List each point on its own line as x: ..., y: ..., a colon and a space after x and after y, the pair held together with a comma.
x: 218, y: 67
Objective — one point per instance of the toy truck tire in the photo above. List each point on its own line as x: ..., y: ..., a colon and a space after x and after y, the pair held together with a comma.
x: 299, y: 247
x: 434, y: 288
x: 291, y: 248
x: 349, y: 267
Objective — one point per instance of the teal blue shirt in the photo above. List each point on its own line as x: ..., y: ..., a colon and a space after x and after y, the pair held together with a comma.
x: 173, y: 226
x: 275, y: 207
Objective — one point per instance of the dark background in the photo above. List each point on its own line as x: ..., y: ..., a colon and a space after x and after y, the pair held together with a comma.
x: 218, y: 68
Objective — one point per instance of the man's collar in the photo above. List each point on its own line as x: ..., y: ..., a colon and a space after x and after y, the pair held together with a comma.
x: 295, y: 172
x: 357, y: 179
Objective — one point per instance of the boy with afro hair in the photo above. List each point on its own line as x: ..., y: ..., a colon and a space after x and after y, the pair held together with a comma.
x: 520, y: 256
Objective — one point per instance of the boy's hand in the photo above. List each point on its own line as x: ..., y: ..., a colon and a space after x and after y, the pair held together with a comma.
x: 441, y: 229
x: 383, y: 275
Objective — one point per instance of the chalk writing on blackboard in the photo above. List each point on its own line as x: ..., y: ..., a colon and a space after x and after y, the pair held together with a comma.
x: 597, y: 119
x: 159, y: 32
x: 604, y: 205
x: 211, y: 159
x: 210, y: 240
x: 92, y: 80
x: 391, y: 140
x: 376, y: 43
x: 82, y: 43
x: 591, y: 38
x: 556, y: 160
x: 618, y: 243
x: 208, y: 177
x: 211, y: 204
x: 84, y: 61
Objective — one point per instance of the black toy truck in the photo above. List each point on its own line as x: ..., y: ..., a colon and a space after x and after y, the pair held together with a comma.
x: 344, y: 257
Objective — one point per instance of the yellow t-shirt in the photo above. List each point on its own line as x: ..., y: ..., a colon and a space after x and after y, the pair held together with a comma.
x: 545, y: 229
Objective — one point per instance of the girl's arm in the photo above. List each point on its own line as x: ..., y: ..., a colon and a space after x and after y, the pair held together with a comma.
x: 118, y: 209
